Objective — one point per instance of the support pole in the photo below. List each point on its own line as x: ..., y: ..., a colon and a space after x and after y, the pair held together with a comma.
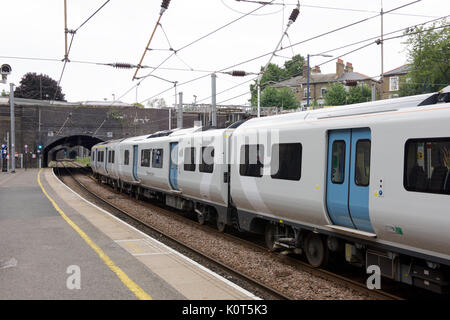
x: 307, y: 81
x: 180, y: 111
x: 13, y: 128
x: 147, y: 47
x: 66, y: 31
x: 213, y: 101
x: 382, y: 55
x: 259, y: 96
x: 170, y: 118
x: 374, y: 92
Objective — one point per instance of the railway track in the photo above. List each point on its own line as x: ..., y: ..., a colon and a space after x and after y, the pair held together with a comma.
x: 286, y: 259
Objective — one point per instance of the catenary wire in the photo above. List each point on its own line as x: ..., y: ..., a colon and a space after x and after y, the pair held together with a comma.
x: 295, y: 44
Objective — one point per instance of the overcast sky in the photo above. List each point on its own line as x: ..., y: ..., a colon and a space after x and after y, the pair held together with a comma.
x: 121, y: 30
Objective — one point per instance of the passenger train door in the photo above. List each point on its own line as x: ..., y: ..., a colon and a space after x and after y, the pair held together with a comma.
x: 135, y: 162
x: 348, y: 178
x: 173, y: 168
x: 106, y: 160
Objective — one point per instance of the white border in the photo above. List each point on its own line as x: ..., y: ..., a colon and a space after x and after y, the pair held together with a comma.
x: 228, y: 282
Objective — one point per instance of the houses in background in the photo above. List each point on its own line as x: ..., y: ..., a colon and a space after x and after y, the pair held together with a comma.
x: 392, y: 81
x: 345, y: 74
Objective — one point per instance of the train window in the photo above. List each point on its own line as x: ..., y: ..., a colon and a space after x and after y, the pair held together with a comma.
x: 113, y: 156
x: 207, y: 160
x: 157, y: 158
x: 362, y: 163
x: 100, y: 156
x: 427, y: 165
x: 251, y: 164
x: 189, y: 159
x: 126, y: 157
x: 145, y: 157
x: 288, y: 164
x: 338, y: 162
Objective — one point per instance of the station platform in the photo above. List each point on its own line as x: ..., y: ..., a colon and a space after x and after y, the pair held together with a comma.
x: 56, y: 245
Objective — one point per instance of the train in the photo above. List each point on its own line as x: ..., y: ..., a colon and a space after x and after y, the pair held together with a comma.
x: 367, y: 184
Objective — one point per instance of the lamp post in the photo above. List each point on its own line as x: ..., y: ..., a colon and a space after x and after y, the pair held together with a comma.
x: 307, y: 74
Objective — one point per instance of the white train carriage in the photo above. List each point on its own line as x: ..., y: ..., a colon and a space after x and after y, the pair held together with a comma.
x: 369, y: 181
x: 376, y: 180
x: 98, y: 158
x: 203, y: 173
x: 105, y: 160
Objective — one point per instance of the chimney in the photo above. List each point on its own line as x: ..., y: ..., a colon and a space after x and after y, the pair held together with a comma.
x: 316, y: 69
x: 304, y: 71
x: 339, y: 67
x: 348, y: 67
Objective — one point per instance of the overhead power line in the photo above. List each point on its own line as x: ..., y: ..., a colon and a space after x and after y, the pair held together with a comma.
x: 205, y: 36
x: 188, y: 45
x: 317, y: 36
x: 385, y: 39
x: 293, y: 45
x: 72, y: 32
x: 164, y: 7
x: 90, y: 17
x: 344, y: 54
x: 324, y: 7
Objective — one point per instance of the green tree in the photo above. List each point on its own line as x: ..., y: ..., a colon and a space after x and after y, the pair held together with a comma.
x: 139, y: 105
x: 428, y: 56
x: 157, y: 103
x: 336, y: 95
x: 359, y: 93
x: 41, y: 87
x: 294, y: 67
x: 278, y: 97
x: 274, y: 73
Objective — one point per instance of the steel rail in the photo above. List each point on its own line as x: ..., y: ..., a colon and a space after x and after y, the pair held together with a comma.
x: 271, y: 291
x: 293, y: 262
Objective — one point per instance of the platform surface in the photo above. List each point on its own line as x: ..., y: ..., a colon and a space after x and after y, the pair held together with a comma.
x: 40, y: 247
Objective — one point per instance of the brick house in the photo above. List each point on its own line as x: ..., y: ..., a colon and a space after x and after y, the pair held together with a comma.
x: 393, y: 80
x: 319, y: 82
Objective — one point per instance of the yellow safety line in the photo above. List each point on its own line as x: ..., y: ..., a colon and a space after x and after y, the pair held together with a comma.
x: 130, y: 284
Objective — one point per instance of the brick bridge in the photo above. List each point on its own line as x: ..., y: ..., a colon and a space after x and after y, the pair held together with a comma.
x: 61, y: 125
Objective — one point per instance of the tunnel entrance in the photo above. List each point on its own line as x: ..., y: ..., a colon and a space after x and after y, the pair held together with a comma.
x: 67, y: 142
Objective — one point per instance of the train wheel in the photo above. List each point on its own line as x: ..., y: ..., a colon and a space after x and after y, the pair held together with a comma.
x: 269, y: 236
x: 137, y: 194
x: 201, y: 218
x: 221, y: 226
x: 316, y: 250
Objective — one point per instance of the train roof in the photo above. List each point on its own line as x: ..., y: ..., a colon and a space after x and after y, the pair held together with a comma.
x: 378, y: 106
